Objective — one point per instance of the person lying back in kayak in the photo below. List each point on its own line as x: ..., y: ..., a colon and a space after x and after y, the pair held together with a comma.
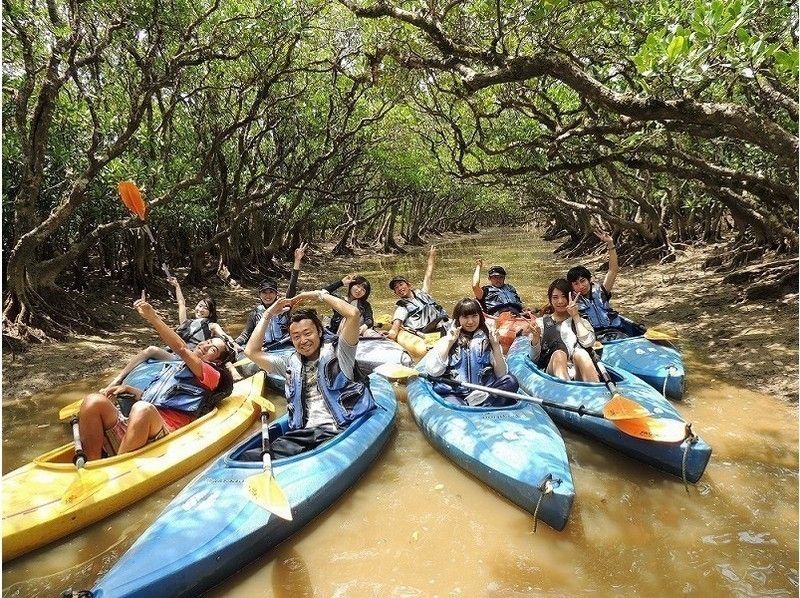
x: 325, y: 392
x: 183, y: 390
x: 358, y: 289
x: 416, y: 309
x: 469, y: 353
x: 498, y: 296
x: 593, y: 301
x: 193, y: 331
x: 559, y: 337
x: 268, y: 294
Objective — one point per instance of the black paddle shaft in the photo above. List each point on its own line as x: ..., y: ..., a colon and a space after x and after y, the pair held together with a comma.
x: 580, y: 410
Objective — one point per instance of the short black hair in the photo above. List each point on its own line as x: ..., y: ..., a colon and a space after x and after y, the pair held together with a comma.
x: 395, y: 280
x: 577, y: 272
x: 306, y: 313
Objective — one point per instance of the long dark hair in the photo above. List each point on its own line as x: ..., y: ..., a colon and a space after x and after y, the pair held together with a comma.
x: 212, y: 307
x: 562, y: 285
x: 470, y: 307
x: 364, y: 283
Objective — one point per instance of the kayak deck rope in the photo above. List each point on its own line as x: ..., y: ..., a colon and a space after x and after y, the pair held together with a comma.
x: 691, y: 438
x: 671, y: 369
x: 546, y: 486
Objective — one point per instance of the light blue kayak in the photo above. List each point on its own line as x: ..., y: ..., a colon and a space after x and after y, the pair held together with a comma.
x: 685, y: 459
x: 659, y: 365
x: 516, y: 449
x: 211, y: 529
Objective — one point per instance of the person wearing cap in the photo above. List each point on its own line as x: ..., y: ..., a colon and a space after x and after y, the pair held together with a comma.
x: 416, y: 309
x: 498, y: 296
x: 268, y: 294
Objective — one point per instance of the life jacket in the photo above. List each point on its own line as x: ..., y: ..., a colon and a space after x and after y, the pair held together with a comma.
x: 178, y: 388
x: 496, y: 299
x: 194, y: 331
x: 422, y: 311
x: 336, y: 317
x: 597, y: 309
x: 346, y: 399
x: 471, y: 363
x: 277, y: 329
x: 551, y: 338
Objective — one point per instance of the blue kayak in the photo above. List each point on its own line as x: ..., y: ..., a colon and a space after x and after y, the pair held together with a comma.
x: 211, y: 529
x: 667, y: 456
x: 659, y: 365
x: 515, y: 449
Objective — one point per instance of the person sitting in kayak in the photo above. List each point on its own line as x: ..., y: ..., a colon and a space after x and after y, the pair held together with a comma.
x: 416, y: 309
x: 559, y: 337
x: 469, y: 352
x: 593, y: 298
x: 193, y: 331
x: 276, y: 334
x: 358, y: 289
x: 183, y: 390
x: 498, y: 296
x: 325, y: 391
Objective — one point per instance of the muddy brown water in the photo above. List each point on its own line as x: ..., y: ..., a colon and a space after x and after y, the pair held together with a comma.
x: 416, y: 525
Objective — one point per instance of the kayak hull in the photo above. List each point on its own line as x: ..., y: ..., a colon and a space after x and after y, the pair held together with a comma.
x: 211, y: 529
x: 660, y: 365
x: 668, y: 457
x: 34, y: 513
x: 514, y: 449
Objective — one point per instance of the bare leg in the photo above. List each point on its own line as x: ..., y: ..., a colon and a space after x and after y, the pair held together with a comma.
x: 144, y: 422
x: 152, y: 352
x: 97, y: 414
x: 584, y: 366
x: 557, y: 366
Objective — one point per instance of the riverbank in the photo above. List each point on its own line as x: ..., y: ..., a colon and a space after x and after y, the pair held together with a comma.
x: 753, y: 345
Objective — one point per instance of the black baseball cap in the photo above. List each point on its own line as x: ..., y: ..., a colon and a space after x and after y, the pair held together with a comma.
x: 395, y: 280
x: 268, y: 283
x: 497, y: 270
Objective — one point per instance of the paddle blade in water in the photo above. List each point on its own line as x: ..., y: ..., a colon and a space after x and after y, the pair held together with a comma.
x: 67, y: 412
x: 394, y: 371
x: 657, y: 335
x: 620, y: 407
x: 263, y: 489
x: 649, y: 428
x: 132, y: 198
x: 84, y: 485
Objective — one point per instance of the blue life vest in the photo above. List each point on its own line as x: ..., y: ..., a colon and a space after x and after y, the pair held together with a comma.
x: 194, y: 331
x: 176, y: 387
x: 597, y: 309
x: 277, y: 329
x: 504, y: 298
x: 422, y: 312
x: 468, y: 364
x: 346, y: 399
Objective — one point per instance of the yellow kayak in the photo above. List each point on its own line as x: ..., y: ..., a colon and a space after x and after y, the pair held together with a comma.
x: 35, y: 511
x: 416, y: 343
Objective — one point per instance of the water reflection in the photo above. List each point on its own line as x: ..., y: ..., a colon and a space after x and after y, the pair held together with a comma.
x: 417, y: 525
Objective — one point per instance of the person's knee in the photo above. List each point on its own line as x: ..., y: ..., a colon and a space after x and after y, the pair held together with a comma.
x: 141, y: 410
x: 559, y: 357
x: 152, y: 350
x: 94, y: 402
x: 581, y: 357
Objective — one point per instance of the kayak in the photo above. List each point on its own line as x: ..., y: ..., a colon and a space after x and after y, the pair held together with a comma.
x: 661, y: 366
x: 515, y: 449
x: 34, y: 512
x: 666, y: 456
x: 211, y: 529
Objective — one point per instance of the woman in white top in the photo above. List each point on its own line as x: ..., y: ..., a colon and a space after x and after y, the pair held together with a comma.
x: 559, y: 337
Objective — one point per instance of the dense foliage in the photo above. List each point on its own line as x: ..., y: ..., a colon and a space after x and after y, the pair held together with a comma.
x: 251, y: 125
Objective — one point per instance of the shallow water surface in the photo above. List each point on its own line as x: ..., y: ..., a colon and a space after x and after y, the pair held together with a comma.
x: 416, y: 525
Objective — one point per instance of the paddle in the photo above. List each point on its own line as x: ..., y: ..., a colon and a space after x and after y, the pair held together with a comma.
x: 132, y: 198
x: 263, y: 488
x: 87, y: 481
x: 627, y: 415
x: 658, y: 335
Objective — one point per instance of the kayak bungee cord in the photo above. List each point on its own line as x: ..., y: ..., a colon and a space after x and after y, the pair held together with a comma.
x: 691, y: 438
x: 547, y: 485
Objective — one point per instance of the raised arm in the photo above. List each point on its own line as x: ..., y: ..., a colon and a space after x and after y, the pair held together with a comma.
x: 613, y: 263
x: 426, y: 282
x: 169, y: 336
x: 255, y: 344
x: 299, y: 254
x: 179, y: 298
x: 476, y: 279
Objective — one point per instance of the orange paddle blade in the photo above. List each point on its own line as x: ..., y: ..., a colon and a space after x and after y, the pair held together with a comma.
x: 620, y: 407
x: 648, y: 428
x: 132, y: 198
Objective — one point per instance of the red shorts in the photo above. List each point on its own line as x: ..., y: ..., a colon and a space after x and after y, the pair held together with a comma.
x: 113, y: 436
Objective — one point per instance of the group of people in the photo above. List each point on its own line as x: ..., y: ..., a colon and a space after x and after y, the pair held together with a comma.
x: 325, y: 390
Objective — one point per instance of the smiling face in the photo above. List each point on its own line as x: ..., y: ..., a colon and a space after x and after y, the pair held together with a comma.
x: 211, y: 350
x: 268, y: 296
x: 201, y: 310
x: 469, y: 323
x: 582, y: 286
x: 559, y: 301
x: 357, y: 291
x: 497, y: 280
x: 402, y: 289
x: 305, y: 337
